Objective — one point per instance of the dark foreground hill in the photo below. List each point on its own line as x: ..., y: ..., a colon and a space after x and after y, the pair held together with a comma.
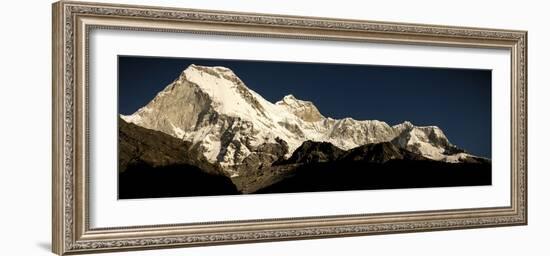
x: 153, y: 164
x: 319, y: 166
x: 144, y: 181
x: 361, y: 175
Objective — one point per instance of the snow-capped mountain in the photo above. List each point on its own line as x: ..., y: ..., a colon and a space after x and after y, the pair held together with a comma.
x: 227, y: 122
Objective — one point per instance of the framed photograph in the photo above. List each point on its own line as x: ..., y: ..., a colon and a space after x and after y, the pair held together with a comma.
x: 179, y: 127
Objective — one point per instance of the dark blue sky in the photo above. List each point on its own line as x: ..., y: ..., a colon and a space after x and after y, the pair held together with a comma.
x: 456, y: 100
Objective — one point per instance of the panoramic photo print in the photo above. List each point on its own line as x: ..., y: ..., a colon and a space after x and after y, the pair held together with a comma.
x: 208, y: 127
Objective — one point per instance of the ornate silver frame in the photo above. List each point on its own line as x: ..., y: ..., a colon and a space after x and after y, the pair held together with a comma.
x: 72, y: 22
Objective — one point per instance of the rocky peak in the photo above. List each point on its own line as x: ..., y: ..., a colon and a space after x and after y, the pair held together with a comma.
x: 429, y: 141
x: 374, y: 153
x: 305, y: 110
x: 405, y: 126
x: 223, y: 86
x: 216, y: 71
x: 289, y: 98
x: 315, y: 152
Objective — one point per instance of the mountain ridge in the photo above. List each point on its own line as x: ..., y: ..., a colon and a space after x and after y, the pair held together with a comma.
x: 228, y: 123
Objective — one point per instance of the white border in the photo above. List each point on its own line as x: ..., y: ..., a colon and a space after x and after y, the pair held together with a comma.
x: 107, y: 211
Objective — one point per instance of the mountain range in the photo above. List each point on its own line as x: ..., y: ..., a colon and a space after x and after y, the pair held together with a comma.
x: 209, y: 119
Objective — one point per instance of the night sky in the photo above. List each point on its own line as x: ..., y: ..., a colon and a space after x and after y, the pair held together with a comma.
x: 456, y: 100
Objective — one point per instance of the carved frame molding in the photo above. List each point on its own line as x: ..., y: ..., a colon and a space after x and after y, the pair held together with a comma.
x: 72, y: 22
